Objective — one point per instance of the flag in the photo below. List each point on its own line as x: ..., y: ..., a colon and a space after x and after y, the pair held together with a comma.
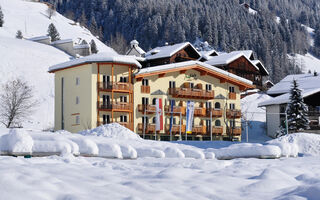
x: 190, y: 112
x: 171, y: 119
x: 159, y: 116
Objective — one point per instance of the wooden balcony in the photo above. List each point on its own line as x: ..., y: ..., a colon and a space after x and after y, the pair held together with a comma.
x: 215, y: 113
x: 175, y: 129
x: 128, y: 125
x: 236, y: 131
x: 199, y: 130
x: 149, y: 109
x: 116, y: 106
x: 150, y: 128
x: 116, y: 87
x: 233, y: 114
x: 191, y: 93
x: 176, y: 110
x: 199, y: 112
x: 232, y: 95
x: 217, y: 130
x: 145, y: 89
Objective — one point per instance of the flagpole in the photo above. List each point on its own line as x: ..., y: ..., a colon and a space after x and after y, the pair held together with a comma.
x: 211, y: 124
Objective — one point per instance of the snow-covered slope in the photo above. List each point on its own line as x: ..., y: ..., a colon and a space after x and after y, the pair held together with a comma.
x: 307, y: 62
x: 31, y: 18
x: 30, y: 60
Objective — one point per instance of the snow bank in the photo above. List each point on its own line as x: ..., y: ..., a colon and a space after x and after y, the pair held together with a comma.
x: 18, y: 141
x: 149, y: 152
x: 113, y: 130
x: 306, y: 144
x: 172, y: 152
x: 247, y: 150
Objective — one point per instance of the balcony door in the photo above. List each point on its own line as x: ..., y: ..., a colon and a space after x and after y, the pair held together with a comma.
x: 106, y: 100
x: 106, y: 80
x: 106, y: 119
x: 208, y: 125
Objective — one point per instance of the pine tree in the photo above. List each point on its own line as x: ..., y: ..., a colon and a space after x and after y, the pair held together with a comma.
x: 297, y: 110
x: 93, y: 47
x: 19, y: 34
x: 1, y: 18
x: 53, y: 33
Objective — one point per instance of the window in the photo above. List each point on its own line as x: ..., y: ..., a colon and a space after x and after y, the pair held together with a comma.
x: 208, y: 105
x: 231, y: 89
x: 77, y: 119
x: 154, y: 101
x: 172, y: 102
x: 106, y: 79
x: 123, y: 99
x: 77, y: 100
x: 208, y: 87
x: 123, y: 118
x: 232, y: 123
x: 232, y: 106
x: 106, y: 119
x: 172, y: 84
x: 123, y: 79
x: 191, y: 85
x: 145, y: 101
x: 77, y: 81
x: 217, y: 105
x: 217, y: 123
x: 145, y: 82
x: 154, y: 120
x: 208, y: 123
x: 145, y: 120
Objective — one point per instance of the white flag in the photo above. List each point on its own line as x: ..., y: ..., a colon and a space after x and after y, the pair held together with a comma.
x: 190, y: 113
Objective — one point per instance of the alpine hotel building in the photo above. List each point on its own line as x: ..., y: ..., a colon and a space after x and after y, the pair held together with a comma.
x: 101, y: 89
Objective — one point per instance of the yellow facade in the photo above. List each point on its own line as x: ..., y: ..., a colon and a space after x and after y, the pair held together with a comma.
x: 88, y: 101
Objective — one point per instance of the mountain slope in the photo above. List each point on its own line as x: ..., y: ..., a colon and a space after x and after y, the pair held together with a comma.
x: 31, y: 18
x: 30, y: 60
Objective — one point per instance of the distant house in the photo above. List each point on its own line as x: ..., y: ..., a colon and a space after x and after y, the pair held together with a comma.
x: 309, y: 84
x: 135, y: 50
x: 268, y: 84
x: 241, y: 63
x: 171, y: 54
x: 248, y: 8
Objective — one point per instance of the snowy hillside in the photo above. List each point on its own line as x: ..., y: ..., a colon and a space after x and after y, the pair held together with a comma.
x: 30, y: 60
x: 31, y: 18
x: 308, y: 62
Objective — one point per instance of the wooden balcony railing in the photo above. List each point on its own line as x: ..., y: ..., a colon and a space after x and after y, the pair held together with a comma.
x: 236, y: 131
x: 145, y: 89
x: 191, y: 93
x: 217, y: 130
x: 117, y: 86
x: 176, y: 128
x: 233, y: 114
x: 116, y: 106
x: 232, y: 95
x: 199, y: 130
x: 149, y: 109
x: 199, y: 112
x: 215, y: 113
x: 149, y: 128
x: 176, y: 110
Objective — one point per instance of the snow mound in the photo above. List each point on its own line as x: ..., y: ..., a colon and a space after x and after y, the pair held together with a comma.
x: 247, y: 150
x: 17, y: 141
x: 113, y: 130
x: 110, y: 150
x: 193, y: 153
x: 172, y: 152
x: 128, y: 152
x: 149, y: 152
x: 306, y: 144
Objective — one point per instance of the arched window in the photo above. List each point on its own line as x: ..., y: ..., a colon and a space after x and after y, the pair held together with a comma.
x: 217, y: 105
x: 154, y: 120
x: 217, y: 123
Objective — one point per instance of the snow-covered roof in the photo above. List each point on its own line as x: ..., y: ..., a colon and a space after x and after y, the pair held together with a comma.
x: 167, y: 51
x: 99, y: 57
x: 226, y: 58
x: 259, y: 64
x: 268, y: 81
x: 247, y: 53
x: 40, y: 38
x: 208, y: 53
x: 63, y: 41
x: 305, y: 82
x: 285, y: 98
x: 190, y: 63
x: 81, y: 46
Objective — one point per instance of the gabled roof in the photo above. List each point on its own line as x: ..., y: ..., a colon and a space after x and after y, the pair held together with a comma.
x: 262, y: 68
x: 305, y: 82
x: 268, y: 81
x: 167, y: 51
x: 197, y: 65
x: 227, y: 58
x: 285, y: 98
x: 247, y: 53
x: 99, y: 57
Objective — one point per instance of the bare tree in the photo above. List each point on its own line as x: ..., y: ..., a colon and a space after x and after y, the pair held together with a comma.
x: 16, y: 102
x: 50, y: 11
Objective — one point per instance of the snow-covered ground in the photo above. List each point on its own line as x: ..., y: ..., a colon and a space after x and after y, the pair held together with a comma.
x: 308, y: 62
x: 179, y: 173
